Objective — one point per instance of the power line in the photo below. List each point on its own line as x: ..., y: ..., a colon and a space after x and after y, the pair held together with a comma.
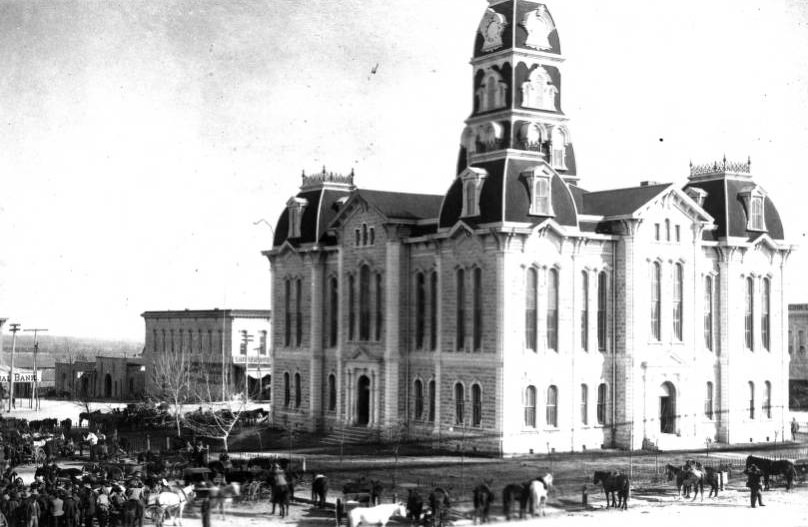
x: 14, y: 328
x: 34, y: 383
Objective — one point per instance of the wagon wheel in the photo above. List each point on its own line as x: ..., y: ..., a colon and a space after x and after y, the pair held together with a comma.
x: 154, y: 513
x: 40, y: 456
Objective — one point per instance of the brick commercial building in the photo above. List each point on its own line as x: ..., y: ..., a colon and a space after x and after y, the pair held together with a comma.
x: 234, y: 339
x: 798, y: 357
x: 519, y: 311
x: 115, y: 378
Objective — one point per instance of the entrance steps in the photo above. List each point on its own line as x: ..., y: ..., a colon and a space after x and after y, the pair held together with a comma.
x: 351, y: 435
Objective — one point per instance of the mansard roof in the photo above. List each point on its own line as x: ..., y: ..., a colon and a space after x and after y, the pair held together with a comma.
x: 724, y: 203
x: 505, y: 196
x: 321, y: 209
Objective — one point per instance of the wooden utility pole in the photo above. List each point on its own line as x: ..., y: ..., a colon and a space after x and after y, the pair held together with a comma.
x: 14, y: 328
x: 34, y: 383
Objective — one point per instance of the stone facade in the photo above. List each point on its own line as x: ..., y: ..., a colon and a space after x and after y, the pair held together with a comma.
x: 519, y: 312
x: 234, y: 340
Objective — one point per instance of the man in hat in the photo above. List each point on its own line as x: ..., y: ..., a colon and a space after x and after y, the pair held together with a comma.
x: 70, y: 511
x: 753, y: 477
x: 57, y: 509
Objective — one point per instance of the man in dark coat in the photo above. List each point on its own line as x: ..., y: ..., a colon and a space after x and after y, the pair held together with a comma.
x: 753, y: 477
x: 70, y: 509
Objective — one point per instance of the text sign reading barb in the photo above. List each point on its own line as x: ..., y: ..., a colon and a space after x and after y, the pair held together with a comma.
x: 21, y: 377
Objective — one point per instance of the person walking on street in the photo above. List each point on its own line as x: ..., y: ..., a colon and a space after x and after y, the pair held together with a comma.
x: 753, y: 477
x: 795, y: 427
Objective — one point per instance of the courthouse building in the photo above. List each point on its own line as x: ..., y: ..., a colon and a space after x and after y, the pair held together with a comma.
x: 519, y: 311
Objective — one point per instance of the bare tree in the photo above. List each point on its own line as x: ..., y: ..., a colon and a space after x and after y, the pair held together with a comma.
x: 170, y: 376
x: 217, y: 419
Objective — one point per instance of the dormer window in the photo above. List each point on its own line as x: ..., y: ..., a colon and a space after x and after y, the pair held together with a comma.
x: 296, y: 206
x: 753, y: 200
x: 539, y: 185
x: 492, y: 92
x: 538, y: 92
x: 696, y: 194
x: 472, y: 181
x: 559, y: 149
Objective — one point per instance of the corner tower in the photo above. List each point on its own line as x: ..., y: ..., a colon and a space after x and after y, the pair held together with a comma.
x: 516, y: 89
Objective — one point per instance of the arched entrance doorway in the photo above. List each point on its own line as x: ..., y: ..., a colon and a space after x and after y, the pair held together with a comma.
x: 85, y: 386
x: 667, y: 408
x: 363, y: 401
x: 108, y: 386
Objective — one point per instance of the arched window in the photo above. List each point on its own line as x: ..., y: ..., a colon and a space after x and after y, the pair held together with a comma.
x: 332, y: 392
x: 154, y: 340
x: 333, y: 311
x: 298, y: 391
x: 708, y: 312
x: 379, y: 306
x: 751, y: 400
x: 552, y: 406
x: 767, y: 399
x: 460, y: 336
x: 585, y: 311
x: 530, y: 407
x: 287, y: 390
x: 459, y: 403
x: 602, y: 284
x: 364, y: 234
x: 667, y: 408
x: 531, y: 306
x: 584, y: 404
x: 764, y: 316
x: 433, y: 311
x: 299, y: 313
x: 601, y: 407
x: 420, y: 308
x: 477, y: 309
x: 476, y: 405
x: 678, y: 277
x: 552, y: 309
x: 432, y: 396
x: 708, y: 401
x: 748, y: 310
x: 656, y: 301
x: 364, y: 303
x: 418, y: 392
x: 351, y: 307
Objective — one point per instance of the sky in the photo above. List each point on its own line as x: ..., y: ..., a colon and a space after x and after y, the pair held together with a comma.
x: 141, y: 141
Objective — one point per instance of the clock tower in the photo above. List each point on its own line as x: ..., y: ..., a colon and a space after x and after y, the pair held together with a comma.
x: 517, y: 111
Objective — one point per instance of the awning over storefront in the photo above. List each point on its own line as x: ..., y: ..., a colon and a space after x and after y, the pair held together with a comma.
x: 259, y: 374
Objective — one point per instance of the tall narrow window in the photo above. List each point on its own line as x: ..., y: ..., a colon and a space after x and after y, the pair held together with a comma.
x: 602, y: 311
x: 800, y: 340
x: 478, y: 309
x: 154, y: 340
x: 287, y: 311
x: 420, y: 306
x: 379, y: 306
x: 332, y: 392
x: 364, y: 303
x: 262, y: 344
x: 460, y: 408
x: 432, y: 396
x: 656, y: 300
x: 584, y: 404
x: 764, y: 317
x: 585, y: 311
x: 351, y: 307
x: 748, y: 309
x: 552, y: 309
x: 418, y: 390
x: 333, y: 311
x: 299, y: 312
x: 767, y: 399
x: 678, y: 233
x: 530, y: 407
x: 708, y: 312
x: 531, y: 306
x: 667, y: 230
x: 708, y: 401
x: 460, y: 334
x: 678, y: 277
x: 476, y: 405
x: 287, y: 390
x: 601, y: 408
x: 656, y: 231
x: 433, y: 311
x: 790, y: 342
x: 298, y: 391
x: 751, y: 400
x: 552, y: 406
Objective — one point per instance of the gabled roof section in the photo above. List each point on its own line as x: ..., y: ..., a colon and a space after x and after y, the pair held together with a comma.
x: 620, y: 202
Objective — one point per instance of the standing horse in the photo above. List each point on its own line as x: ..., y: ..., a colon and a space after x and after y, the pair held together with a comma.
x: 685, y: 479
x: 537, y: 492
x: 614, y: 483
x: 281, y: 493
x: 514, y: 493
x: 483, y: 498
x: 378, y: 515
x: 415, y: 506
x: 173, y: 501
x: 771, y: 467
x: 319, y: 490
x: 439, y: 503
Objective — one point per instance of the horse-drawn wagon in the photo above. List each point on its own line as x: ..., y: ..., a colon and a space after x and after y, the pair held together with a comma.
x: 359, y: 493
